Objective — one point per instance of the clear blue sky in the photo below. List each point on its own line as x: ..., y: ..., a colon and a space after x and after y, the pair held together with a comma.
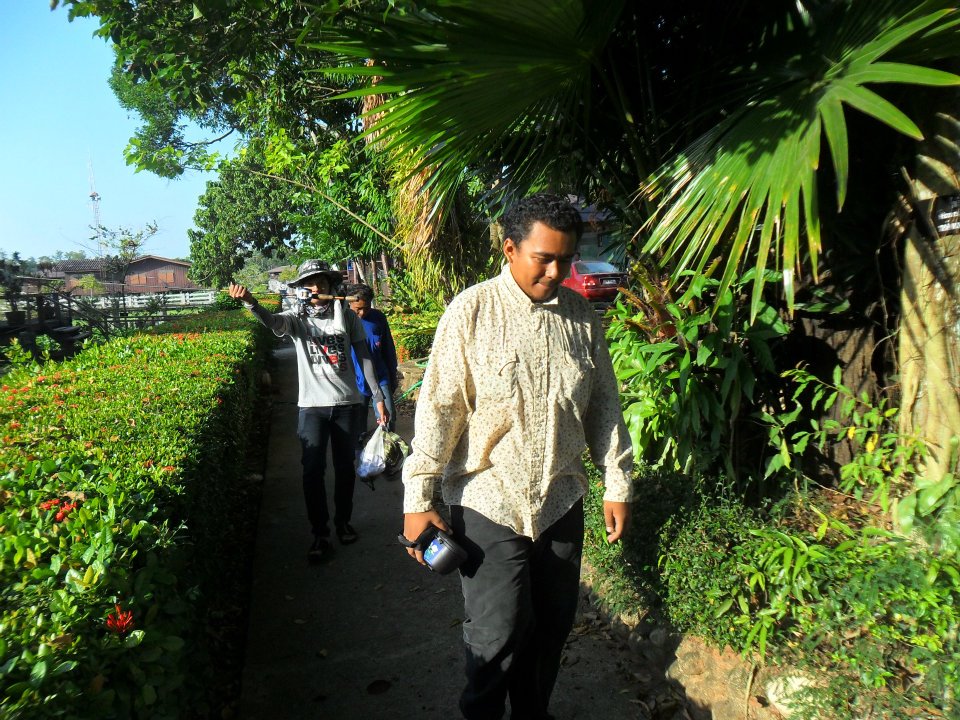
x: 59, y: 116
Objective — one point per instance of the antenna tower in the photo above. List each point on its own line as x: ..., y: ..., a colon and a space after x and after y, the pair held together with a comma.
x: 95, y: 204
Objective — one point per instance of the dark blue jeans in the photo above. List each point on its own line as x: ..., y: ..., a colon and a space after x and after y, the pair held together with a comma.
x: 520, y: 600
x: 341, y: 425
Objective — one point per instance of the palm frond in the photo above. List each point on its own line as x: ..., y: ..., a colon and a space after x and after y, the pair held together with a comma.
x: 748, y: 188
x: 482, y: 85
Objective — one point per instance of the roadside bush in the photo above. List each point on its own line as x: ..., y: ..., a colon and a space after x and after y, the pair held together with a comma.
x: 824, y: 580
x: 629, y: 568
x: 870, y: 613
x: 92, y: 624
x: 690, y: 369
x: 700, y: 550
x: 120, y: 486
x: 223, y: 301
x: 413, y: 334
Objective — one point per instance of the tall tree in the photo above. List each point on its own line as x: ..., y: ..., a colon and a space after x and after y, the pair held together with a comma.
x: 242, y: 211
x: 224, y: 64
x: 237, y: 67
x: 733, y: 136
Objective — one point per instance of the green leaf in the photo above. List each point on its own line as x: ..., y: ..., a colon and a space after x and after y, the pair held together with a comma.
x: 902, y: 73
x: 835, y: 128
x: 868, y: 102
x: 172, y: 643
x: 65, y: 667
x: 722, y: 608
x: 929, y: 497
x: 38, y: 672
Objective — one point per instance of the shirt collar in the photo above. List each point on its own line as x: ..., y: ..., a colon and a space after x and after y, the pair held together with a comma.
x: 518, y: 295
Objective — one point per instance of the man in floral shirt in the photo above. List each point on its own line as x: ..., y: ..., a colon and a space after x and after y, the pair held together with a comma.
x: 518, y: 384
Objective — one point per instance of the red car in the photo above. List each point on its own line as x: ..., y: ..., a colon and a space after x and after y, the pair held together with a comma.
x: 596, y: 280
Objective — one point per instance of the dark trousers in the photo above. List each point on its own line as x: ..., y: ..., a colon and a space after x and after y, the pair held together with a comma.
x: 520, y: 600
x: 341, y: 426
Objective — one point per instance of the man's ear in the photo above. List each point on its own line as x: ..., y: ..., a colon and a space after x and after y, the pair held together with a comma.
x: 509, y: 249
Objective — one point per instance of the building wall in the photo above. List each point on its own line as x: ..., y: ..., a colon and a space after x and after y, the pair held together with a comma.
x: 152, y: 275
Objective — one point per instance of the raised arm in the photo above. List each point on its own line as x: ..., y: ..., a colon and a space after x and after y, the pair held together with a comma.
x: 267, y: 318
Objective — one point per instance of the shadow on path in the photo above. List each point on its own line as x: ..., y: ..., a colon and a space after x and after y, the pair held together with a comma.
x: 369, y: 634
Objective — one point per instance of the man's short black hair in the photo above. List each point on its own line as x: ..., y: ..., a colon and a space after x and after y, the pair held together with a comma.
x: 361, y: 292
x: 554, y: 211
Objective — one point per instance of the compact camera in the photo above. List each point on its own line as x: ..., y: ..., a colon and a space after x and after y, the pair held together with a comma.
x: 440, y: 552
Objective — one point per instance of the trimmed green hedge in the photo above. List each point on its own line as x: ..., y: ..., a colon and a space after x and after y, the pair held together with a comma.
x: 119, y: 478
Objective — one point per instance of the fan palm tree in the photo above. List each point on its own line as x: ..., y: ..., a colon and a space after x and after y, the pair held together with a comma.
x: 701, y: 122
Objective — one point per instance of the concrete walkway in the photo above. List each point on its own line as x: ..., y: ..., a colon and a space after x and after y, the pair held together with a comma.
x: 370, y: 634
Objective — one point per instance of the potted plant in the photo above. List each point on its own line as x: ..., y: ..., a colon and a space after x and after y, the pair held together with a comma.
x: 11, y: 286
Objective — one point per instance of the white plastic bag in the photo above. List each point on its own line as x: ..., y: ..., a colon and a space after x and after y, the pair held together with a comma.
x: 372, y: 460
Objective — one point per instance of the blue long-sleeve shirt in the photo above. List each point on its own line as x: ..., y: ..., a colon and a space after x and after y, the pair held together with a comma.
x: 382, y: 350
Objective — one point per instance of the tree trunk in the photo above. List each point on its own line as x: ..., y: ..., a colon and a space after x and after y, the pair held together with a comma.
x: 929, y: 349
x: 374, y: 281
x: 386, y: 274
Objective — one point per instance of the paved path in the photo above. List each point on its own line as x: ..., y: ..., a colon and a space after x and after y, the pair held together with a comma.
x: 369, y: 634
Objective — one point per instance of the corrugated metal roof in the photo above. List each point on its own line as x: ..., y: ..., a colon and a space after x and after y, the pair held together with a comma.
x: 86, y: 265
x: 100, y: 264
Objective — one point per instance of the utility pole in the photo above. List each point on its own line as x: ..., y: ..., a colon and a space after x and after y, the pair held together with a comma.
x: 95, y: 204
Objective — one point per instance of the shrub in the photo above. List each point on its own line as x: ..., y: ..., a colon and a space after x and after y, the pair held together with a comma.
x: 119, y: 497
x: 223, y: 301
x: 875, y: 614
x: 689, y: 372
x: 700, y: 549
x: 413, y: 334
x: 629, y: 568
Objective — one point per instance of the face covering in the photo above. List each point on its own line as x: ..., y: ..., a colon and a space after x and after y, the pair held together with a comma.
x: 315, y: 310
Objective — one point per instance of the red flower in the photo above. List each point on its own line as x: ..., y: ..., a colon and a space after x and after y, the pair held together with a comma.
x: 64, y: 511
x: 120, y: 621
x: 48, y: 504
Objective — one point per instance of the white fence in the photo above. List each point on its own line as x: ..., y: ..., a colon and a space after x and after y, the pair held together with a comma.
x: 171, y: 299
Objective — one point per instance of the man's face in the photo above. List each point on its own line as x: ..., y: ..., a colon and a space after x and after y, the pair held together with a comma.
x: 360, y: 307
x: 541, y: 261
x: 318, y: 284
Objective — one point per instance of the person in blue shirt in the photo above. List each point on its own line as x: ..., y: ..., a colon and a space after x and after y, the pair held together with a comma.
x: 382, y: 349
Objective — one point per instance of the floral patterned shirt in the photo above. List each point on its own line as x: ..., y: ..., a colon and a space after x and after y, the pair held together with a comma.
x: 513, y: 393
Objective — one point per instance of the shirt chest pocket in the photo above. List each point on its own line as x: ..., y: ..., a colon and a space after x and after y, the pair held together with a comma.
x: 496, y: 378
x: 575, y: 380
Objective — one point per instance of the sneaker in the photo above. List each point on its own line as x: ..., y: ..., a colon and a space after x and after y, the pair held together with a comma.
x: 346, y: 534
x: 319, y: 549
